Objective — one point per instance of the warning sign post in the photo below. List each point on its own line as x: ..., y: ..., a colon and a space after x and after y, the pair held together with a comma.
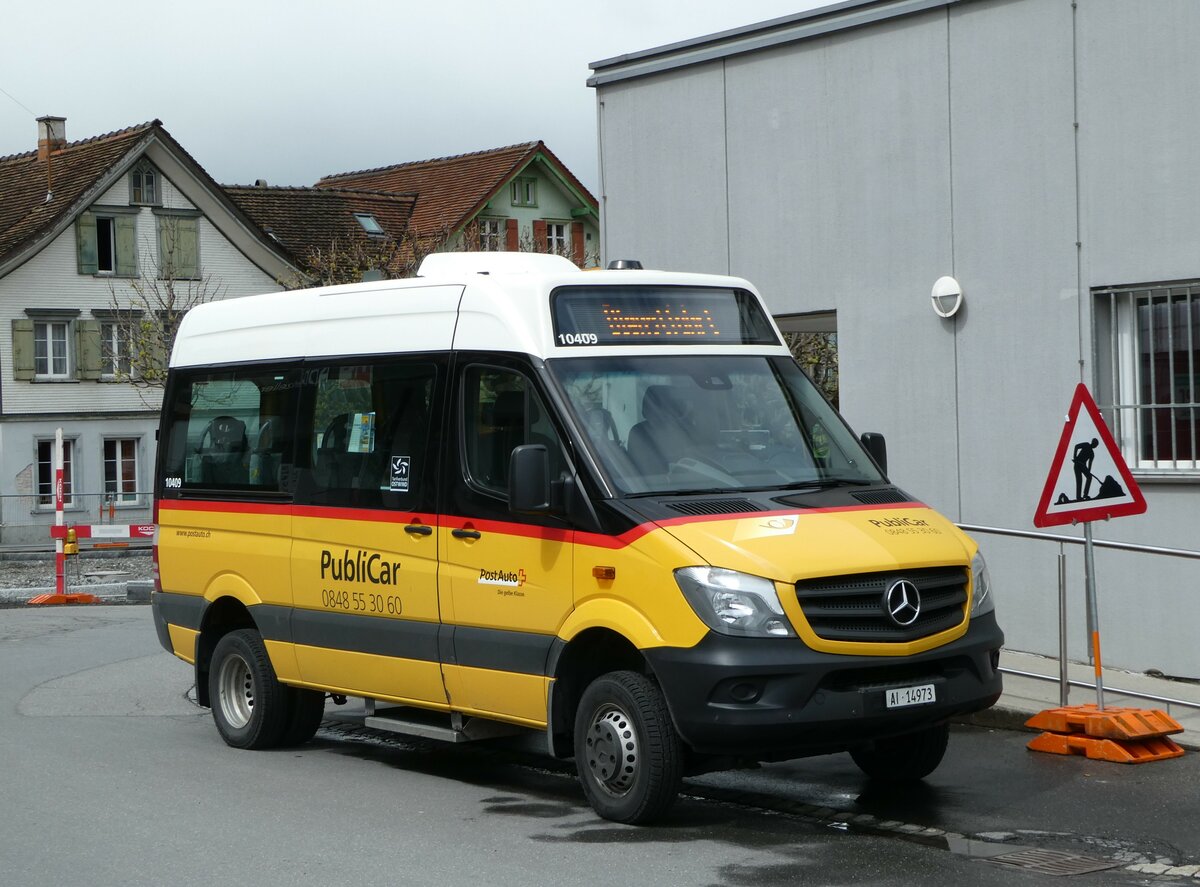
x: 1089, y: 481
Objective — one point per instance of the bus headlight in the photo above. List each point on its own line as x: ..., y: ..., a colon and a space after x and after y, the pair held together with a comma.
x: 981, y: 581
x: 734, y: 603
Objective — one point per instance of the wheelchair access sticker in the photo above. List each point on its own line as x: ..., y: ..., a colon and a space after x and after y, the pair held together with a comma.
x: 400, y: 474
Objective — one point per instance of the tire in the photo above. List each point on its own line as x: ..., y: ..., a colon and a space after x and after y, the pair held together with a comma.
x: 623, y: 714
x: 249, y: 705
x: 306, y: 709
x: 907, y: 758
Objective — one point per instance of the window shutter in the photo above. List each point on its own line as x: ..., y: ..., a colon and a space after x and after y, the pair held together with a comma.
x: 577, y: 249
x: 126, y: 245
x: 22, y: 349
x: 539, y: 235
x: 87, y: 349
x: 85, y: 243
x: 187, y: 248
x: 512, y: 239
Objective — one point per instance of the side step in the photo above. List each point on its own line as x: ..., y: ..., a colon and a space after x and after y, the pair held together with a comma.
x: 442, y: 726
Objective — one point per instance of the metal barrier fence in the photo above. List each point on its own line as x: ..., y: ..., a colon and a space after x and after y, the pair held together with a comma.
x: 25, y: 519
x: 1063, y: 680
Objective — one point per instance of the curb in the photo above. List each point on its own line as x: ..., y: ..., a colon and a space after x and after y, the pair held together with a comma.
x: 133, y: 590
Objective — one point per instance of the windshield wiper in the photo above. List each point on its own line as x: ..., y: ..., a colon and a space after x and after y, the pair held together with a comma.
x: 709, y: 491
x: 823, y: 483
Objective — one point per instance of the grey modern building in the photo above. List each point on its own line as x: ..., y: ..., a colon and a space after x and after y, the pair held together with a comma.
x: 1043, y: 154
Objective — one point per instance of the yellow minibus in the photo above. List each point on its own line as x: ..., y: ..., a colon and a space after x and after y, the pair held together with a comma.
x: 508, y: 495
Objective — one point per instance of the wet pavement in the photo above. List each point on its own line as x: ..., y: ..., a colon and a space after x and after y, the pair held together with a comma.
x: 990, y: 798
x: 100, y: 738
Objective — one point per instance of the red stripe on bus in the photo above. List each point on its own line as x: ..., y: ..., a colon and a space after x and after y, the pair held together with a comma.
x: 509, y: 528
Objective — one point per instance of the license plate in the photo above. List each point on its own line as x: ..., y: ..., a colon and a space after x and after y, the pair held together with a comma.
x: 905, y: 696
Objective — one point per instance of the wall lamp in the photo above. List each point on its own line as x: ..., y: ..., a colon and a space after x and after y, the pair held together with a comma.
x: 947, y: 297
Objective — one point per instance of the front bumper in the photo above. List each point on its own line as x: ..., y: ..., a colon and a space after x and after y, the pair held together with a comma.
x: 769, y: 698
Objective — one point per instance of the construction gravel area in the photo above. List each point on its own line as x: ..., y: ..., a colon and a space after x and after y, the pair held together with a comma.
x: 89, y: 569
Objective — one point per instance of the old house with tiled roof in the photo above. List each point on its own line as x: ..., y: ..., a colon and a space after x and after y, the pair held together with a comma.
x: 80, y: 222
x: 333, y: 234
x: 519, y: 197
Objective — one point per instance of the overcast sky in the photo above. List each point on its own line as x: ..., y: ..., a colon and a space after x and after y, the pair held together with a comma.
x: 291, y: 90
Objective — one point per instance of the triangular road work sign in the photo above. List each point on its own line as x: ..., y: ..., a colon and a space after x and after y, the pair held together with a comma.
x: 1089, y: 479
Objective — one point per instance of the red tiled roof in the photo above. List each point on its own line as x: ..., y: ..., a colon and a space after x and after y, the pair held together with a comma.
x: 25, y: 211
x: 306, y: 220
x: 451, y: 190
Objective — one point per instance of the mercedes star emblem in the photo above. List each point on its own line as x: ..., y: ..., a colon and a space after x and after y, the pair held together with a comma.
x: 902, y: 601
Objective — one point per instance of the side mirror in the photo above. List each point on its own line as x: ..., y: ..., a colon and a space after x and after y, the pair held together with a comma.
x: 529, y: 480
x: 876, y: 446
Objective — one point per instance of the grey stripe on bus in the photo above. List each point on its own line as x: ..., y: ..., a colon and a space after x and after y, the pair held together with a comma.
x: 487, y: 648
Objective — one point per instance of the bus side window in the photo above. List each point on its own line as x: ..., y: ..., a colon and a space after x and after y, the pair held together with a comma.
x: 230, y: 430
x: 370, y: 432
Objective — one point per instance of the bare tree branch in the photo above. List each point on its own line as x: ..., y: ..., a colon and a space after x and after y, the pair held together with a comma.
x: 817, y: 355
x: 146, y: 315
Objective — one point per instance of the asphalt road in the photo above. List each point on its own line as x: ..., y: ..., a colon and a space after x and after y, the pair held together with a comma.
x: 111, y: 776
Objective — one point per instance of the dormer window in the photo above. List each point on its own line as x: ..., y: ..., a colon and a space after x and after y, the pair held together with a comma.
x: 524, y: 192
x: 370, y: 224
x: 143, y: 185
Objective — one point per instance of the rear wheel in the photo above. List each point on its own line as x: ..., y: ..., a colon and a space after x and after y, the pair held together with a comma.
x: 629, y: 757
x: 249, y: 705
x: 905, y: 758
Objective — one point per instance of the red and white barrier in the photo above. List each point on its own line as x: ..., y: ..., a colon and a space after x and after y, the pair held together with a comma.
x: 59, y: 533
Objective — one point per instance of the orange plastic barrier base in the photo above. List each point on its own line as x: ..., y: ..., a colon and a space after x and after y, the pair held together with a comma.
x: 1121, y: 751
x: 1111, y: 723
x: 63, y: 599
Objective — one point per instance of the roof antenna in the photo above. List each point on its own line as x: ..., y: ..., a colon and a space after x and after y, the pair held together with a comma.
x: 49, y: 177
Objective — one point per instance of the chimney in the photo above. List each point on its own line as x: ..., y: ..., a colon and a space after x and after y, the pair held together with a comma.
x: 52, y: 136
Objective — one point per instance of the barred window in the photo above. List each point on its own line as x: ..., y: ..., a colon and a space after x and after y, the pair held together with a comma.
x: 1148, y: 350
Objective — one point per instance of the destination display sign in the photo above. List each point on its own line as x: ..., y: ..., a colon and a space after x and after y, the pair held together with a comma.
x: 643, y: 315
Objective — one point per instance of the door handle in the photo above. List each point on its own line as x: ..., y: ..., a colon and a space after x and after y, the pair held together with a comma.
x: 466, y: 534
x: 418, y: 530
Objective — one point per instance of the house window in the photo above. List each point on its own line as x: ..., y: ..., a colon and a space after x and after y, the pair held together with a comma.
x: 524, y: 192
x: 106, y: 245
x: 1148, y: 349
x: 51, y: 354
x: 490, y: 235
x: 106, y: 242
x: 557, y: 241
x: 370, y: 224
x: 45, y: 472
x: 114, y: 351
x: 143, y: 185
x: 178, y: 246
x: 120, y: 470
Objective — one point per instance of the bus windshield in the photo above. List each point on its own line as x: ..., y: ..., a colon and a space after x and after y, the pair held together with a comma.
x: 684, y: 424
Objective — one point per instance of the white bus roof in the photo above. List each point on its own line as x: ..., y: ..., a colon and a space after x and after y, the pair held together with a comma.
x: 465, y: 301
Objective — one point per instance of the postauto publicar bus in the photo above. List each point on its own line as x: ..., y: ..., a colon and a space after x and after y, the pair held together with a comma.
x: 605, y: 508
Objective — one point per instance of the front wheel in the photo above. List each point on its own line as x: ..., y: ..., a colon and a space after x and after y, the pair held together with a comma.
x: 249, y: 705
x: 629, y: 757
x: 905, y: 758
x: 306, y: 709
